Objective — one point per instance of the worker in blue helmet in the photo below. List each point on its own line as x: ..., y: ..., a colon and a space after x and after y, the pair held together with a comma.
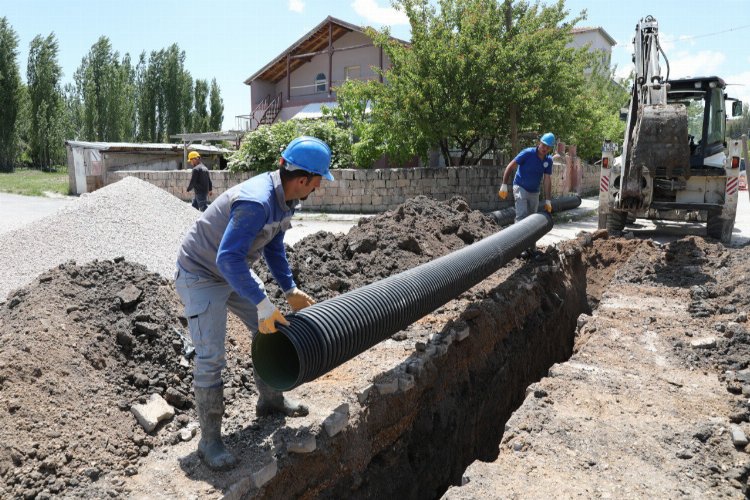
x: 533, y: 166
x: 214, y: 275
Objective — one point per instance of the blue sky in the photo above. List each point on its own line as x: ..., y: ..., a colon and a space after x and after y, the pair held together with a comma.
x: 232, y: 39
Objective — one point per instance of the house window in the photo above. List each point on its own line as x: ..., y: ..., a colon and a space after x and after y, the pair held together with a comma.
x: 320, y: 82
x: 351, y: 73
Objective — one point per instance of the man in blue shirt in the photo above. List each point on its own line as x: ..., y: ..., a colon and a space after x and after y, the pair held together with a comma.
x: 214, y: 275
x: 532, y: 166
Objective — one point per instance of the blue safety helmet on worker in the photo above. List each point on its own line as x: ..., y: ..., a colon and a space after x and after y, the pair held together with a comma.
x: 548, y: 139
x: 309, y: 154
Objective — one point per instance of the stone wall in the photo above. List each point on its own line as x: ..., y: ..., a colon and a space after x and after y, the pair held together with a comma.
x: 378, y: 190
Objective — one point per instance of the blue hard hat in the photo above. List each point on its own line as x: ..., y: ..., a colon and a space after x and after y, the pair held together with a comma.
x: 309, y: 154
x: 548, y: 139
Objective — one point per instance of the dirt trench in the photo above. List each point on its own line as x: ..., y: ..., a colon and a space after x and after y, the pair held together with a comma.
x: 418, y: 442
x: 82, y: 344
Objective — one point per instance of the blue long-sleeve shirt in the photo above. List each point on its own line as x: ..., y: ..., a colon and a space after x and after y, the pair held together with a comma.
x: 244, y: 222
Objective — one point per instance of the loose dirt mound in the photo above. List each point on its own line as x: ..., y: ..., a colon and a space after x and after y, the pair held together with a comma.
x: 79, y: 346
x: 82, y: 344
x: 420, y: 230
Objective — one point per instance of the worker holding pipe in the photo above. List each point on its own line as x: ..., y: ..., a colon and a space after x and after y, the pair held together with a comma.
x: 214, y: 275
x: 533, y: 166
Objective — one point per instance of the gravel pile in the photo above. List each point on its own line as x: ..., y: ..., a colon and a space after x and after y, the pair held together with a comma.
x: 130, y: 218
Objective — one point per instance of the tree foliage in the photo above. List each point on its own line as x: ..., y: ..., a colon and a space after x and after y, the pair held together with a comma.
x: 45, y: 100
x: 260, y: 149
x: 10, y: 98
x: 216, y: 107
x: 200, y: 113
x: 109, y: 99
x: 106, y: 89
x: 478, y: 76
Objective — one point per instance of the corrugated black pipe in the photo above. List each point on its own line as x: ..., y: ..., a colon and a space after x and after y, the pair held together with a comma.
x: 325, y: 335
x: 508, y: 215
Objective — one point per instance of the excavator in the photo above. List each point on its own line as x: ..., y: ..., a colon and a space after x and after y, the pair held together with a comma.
x: 675, y: 163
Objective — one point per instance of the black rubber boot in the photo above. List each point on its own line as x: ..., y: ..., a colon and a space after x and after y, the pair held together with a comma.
x: 210, y: 406
x: 273, y: 402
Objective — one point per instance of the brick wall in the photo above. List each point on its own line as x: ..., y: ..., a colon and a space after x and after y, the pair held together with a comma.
x: 378, y: 190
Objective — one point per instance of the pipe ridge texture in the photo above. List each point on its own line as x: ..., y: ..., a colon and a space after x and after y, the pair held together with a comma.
x: 507, y: 215
x: 327, y: 334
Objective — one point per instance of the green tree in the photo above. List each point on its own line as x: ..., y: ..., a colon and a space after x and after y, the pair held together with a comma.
x: 200, y: 111
x: 216, y: 107
x: 73, y: 115
x: 147, y: 104
x: 106, y: 86
x: 10, y: 87
x: 43, y: 74
x: 595, y: 115
x: 176, y: 86
x: 377, y: 125
x: 477, y: 75
x: 261, y: 148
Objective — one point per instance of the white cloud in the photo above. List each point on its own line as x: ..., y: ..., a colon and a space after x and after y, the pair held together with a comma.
x: 296, y: 5
x: 701, y: 63
x: 738, y: 85
x: 374, y: 13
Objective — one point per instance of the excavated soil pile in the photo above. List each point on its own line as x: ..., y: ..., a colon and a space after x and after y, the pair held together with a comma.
x: 81, y: 345
x: 78, y: 347
x: 418, y: 231
x: 84, y: 343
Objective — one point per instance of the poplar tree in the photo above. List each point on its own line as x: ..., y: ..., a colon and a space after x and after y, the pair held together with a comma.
x: 216, y: 107
x: 10, y: 87
x: 43, y: 74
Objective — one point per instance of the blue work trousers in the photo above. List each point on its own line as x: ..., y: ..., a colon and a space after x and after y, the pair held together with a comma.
x: 527, y: 203
x: 206, y: 303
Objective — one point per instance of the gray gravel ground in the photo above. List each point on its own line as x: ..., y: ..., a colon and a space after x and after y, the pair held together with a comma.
x: 129, y: 218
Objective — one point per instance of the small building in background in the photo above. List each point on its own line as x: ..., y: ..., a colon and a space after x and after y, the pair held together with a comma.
x: 597, y: 40
x: 90, y: 162
x: 303, y: 78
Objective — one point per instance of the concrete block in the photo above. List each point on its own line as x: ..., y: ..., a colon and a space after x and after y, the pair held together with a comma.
x: 265, y: 474
x: 738, y: 436
x: 406, y: 382
x: 303, y: 444
x: 363, y: 394
x: 462, y: 334
x: 415, y: 367
x: 336, y: 421
x: 154, y: 411
x: 385, y: 388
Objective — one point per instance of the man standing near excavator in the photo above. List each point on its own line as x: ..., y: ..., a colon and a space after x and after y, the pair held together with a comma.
x: 532, y: 165
x: 214, y: 275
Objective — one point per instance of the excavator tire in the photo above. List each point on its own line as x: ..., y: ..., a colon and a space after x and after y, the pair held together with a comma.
x: 616, y: 222
x: 661, y: 142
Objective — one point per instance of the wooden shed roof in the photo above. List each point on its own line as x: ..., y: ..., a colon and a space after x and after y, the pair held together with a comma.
x: 310, y: 44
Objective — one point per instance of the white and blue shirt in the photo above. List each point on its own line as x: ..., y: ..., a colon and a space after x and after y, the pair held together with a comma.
x: 530, y: 169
